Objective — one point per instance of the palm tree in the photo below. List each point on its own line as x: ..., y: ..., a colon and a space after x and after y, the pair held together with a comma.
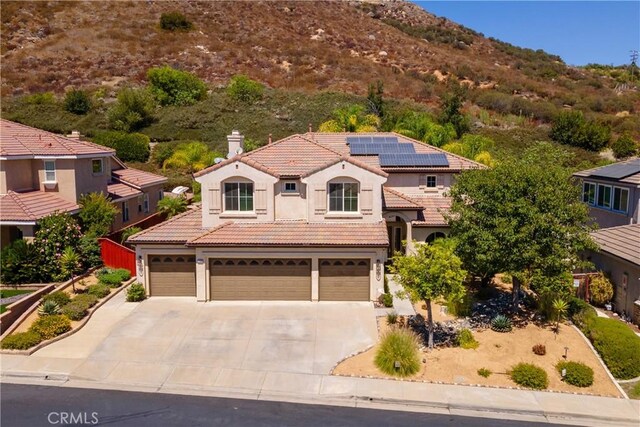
x: 172, y: 206
x: 420, y: 126
x: 560, y: 308
x: 191, y: 157
x: 351, y: 119
x: 70, y: 265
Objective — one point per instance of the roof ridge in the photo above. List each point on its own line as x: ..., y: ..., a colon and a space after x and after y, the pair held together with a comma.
x: 163, y: 223
x: 439, y: 149
x: 319, y: 144
x: 22, y: 205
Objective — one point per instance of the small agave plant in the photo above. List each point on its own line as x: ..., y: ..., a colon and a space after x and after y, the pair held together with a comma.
x: 501, y: 323
x: 48, y: 308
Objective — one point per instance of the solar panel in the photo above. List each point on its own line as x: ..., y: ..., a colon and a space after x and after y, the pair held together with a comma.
x: 407, y: 160
x: 375, y: 148
x: 372, y: 140
x: 619, y: 170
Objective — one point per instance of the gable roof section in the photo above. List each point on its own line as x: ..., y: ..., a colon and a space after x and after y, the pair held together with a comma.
x: 177, y: 230
x: 137, y: 178
x: 623, y: 242
x: 434, y: 209
x: 627, y: 171
x: 17, y: 140
x: 120, y: 191
x: 393, y: 199
x: 295, y: 233
x: 32, y: 206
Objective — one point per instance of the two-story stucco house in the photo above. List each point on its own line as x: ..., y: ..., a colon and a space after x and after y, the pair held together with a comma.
x: 41, y: 173
x: 613, y: 193
x: 309, y: 217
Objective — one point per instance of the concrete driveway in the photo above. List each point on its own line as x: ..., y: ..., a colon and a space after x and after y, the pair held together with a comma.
x: 182, y: 341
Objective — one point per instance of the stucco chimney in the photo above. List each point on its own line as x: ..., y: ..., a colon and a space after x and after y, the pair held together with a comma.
x: 74, y: 135
x: 236, y: 143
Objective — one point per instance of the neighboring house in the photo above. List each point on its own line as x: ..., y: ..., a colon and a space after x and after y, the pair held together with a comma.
x: 309, y: 217
x: 619, y: 259
x: 41, y: 173
x: 613, y: 193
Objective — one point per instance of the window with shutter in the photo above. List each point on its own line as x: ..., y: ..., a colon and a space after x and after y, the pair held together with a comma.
x: 261, y: 199
x: 367, y: 200
x: 214, y: 199
x: 320, y: 200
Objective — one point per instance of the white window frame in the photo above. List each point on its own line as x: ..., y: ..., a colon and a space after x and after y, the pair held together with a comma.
x: 435, y: 181
x: 125, y: 211
x: 343, y: 183
x: 47, y: 172
x: 290, y: 191
x: 613, y: 200
x: 145, y: 202
x: 602, y: 186
x: 238, y: 184
x: 585, y: 193
x: 101, y: 171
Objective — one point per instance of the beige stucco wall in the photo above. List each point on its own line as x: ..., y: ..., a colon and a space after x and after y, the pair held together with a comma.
x: 291, y: 205
x: 88, y: 182
x: 15, y: 175
x: 136, y: 215
x: 420, y: 234
x: 374, y: 255
x: 409, y: 183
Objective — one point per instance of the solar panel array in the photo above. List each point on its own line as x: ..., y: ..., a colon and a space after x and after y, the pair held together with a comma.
x: 409, y: 160
x: 372, y: 139
x: 375, y: 148
x: 618, y: 171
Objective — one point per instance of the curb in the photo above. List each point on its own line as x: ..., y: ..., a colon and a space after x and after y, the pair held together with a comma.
x: 74, y: 330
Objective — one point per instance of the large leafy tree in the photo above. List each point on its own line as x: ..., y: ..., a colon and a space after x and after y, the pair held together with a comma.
x: 97, y: 214
x: 433, y: 271
x: 351, y: 119
x: 190, y: 157
x: 175, y: 87
x: 133, y: 110
x: 523, y: 216
x: 474, y: 147
x: 452, y: 103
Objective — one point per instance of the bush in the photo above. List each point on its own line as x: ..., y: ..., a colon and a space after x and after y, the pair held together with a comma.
x: 175, y: 21
x: 386, y: 284
x: 577, y: 373
x: 539, y: 349
x: 466, y: 340
x: 624, y: 146
x: 386, y: 300
x: 86, y: 299
x: 21, y: 341
x: 20, y: 263
x: 530, y: 376
x: 99, y: 290
x: 600, y: 290
x: 97, y: 212
x: 484, y: 372
x: 89, y: 249
x: 571, y: 128
x: 113, y: 278
x: 55, y: 233
x: 48, y: 308
x: 242, y: 88
x: 392, y: 318
x: 130, y: 147
x: 133, y: 110
x: 136, y: 293
x: 58, y: 297
x: 39, y: 98
x: 460, y: 307
x: 77, y: 102
x: 581, y: 313
x: 501, y: 323
x: 400, y: 346
x: 175, y: 87
x: 75, y: 310
x: 618, y: 346
x: 51, y: 326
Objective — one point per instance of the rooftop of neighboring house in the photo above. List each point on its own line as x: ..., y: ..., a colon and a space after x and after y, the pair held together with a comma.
x: 626, y: 171
x: 18, y: 141
x: 622, y: 241
x: 30, y: 206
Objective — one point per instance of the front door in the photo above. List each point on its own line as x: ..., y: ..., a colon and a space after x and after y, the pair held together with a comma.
x: 395, y: 240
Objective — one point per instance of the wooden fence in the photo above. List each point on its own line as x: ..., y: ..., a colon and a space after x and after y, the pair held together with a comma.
x: 117, y: 256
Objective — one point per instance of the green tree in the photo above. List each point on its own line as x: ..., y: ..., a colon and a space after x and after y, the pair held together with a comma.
x: 451, y: 104
x: 433, y: 271
x: 242, y: 88
x: 133, y: 110
x: 97, y: 213
x: 20, y: 263
x: 351, y: 119
x: 130, y: 147
x: 161, y: 152
x: 524, y: 216
x: 420, y: 126
x: 374, y: 97
x: 55, y: 232
x: 77, y: 102
x: 175, y: 21
x: 172, y: 206
x: 624, y: 146
x: 572, y: 128
x: 190, y: 157
x: 474, y: 147
x: 175, y: 87
x: 70, y: 265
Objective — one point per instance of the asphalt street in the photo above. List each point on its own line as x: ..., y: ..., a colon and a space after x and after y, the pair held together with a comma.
x: 29, y: 405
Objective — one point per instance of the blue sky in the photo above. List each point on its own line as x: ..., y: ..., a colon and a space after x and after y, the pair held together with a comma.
x: 579, y: 31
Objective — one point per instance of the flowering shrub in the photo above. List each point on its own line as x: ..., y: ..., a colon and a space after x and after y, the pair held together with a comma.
x: 55, y: 232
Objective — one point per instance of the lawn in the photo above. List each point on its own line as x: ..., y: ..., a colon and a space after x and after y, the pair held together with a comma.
x: 6, y: 293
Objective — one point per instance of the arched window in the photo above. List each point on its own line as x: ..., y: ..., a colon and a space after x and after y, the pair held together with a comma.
x: 238, y: 196
x: 433, y: 236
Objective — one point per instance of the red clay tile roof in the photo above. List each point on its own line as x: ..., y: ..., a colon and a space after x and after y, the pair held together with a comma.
x: 622, y: 241
x: 178, y: 229
x: 434, y: 208
x: 32, y: 205
x: 295, y: 233
x: 122, y: 191
x: 17, y: 140
x: 393, y: 199
x: 137, y: 178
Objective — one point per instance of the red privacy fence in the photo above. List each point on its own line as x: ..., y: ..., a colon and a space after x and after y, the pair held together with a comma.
x: 117, y: 256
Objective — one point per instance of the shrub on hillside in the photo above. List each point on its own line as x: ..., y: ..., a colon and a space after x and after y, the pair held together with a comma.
x: 465, y: 340
x: 175, y: 87
x: 624, y: 146
x: 401, y: 346
x: 572, y: 128
x: 59, y: 297
x: 130, y: 147
x: 175, y: 21
x: 75, y: 310
x: 51, y: 326
x: 242, y: 88
x: 39, y: 98
x: 618, y: 346
x: 133, y: 110
x: 600, y: 290
x: 21, y: 341
x: 576, y: 373
x: 19, y: 263
x: 136, y: 293
x: 77, y: 102
x: 530, y: 376
x: 99, y: 290
x: 86, y: 299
